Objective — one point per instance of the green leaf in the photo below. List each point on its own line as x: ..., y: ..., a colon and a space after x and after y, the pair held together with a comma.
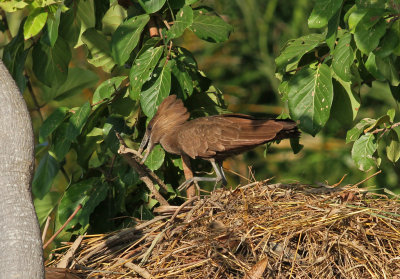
x: 343, y: 58
x: 113, y: 18
x: 70, y: 27
x: 89, y: 193
x: 44, y: 176
x: 363, y: 151
x: 126, y: 37
x: 151, y: 6
x: 310, y: 98
x: 352, y: 100
x: 156, y: 158
x: 78, y: 120
x: 156, y: 90
x: 210, y: 28
x: 45, y: 206
x: 393, y: 149
x: 14, y: 57
x: 52, y: 122
x: 367, y: 38
x: 61, y: 144
x: 381, y: 120
x: 77, y: 80
x: 323, y: 11
x: 186, y: 72
x: 391, y: 112
x: 358, y: 129
x: 50, y: 65
x: 372, y: 67
x: 34, y: 22
x: 99, y: 49
x: 13, y: 5
x: 86, y: 16
x: 295, y: 145
x: 395, y: 90
x: 107, y: 88
x: 142, y: 69
x: 183, y: 20
x: 332, y: 31
x: 388, y: 44
x: 53, y: 22
x: 295, y: 49
x: 342, y: 107
x: 388, y: 69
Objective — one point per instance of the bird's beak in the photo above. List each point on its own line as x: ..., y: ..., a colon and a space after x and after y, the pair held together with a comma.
x: 147, y: 152
x: 145, y: 142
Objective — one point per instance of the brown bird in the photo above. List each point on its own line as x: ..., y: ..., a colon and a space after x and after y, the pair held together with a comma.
x: 212, y: 138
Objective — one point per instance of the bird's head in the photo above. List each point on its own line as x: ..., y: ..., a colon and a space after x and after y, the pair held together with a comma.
x: 170, y: 114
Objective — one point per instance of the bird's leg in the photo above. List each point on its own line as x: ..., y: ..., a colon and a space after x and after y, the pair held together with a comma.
x: 218, y: 171
x: 195, y: 180
x: 191, y: 188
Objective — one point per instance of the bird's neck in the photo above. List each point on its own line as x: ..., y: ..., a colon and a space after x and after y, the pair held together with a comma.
x: 169, y: 140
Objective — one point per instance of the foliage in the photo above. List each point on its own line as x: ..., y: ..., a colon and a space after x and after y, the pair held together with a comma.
x: 58, y: 50
x: 136, y: 46
x: 359, y: 46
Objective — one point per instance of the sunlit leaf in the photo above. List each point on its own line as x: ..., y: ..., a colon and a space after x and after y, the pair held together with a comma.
x: 35, y: 22
x: 183, y: 20
x: 393, y: 148
x: 295, y: 49
x: 142, y: 69
x: 126, y: 37
x: 156, y: 90
x: 358, y: 129
x: 363, y: 151
x: 210, y: 27
x: 367, y: 38
x: 106, y: 89
x: 151, y: 6
x: 323, y: 11
x: 156, y: 158
x: 310, y: 98
x: 343, y: 58
x: 113, y: 18
x: 99, y: 49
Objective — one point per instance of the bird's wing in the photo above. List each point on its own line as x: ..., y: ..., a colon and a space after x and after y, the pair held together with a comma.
x: 223, y: 134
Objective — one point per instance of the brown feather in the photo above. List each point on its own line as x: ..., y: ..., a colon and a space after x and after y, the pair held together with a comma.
x: 213, y: 137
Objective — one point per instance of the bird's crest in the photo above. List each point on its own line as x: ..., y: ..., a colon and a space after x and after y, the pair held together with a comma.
x: 170, y: 113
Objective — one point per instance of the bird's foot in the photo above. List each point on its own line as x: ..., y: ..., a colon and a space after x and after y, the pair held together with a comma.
x: 195, y: 180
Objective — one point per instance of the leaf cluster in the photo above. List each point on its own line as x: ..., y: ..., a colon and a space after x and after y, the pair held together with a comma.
x: 357, y: 44
x: 135, y: 45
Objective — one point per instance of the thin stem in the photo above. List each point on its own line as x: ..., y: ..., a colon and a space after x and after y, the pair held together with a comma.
x: 63, y: 226
x: 35, y: 101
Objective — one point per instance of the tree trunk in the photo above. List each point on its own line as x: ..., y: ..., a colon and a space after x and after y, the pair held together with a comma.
x: 21, y: 253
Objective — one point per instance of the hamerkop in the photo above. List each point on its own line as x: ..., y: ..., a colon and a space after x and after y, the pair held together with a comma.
x: 211, y: 138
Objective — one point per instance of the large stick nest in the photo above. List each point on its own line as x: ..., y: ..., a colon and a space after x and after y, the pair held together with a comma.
x: 256, y: 231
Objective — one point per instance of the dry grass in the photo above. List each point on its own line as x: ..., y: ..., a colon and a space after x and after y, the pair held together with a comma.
x: 258, y: 231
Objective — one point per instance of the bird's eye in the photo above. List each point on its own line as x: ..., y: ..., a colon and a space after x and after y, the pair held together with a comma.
x: 149, y: 127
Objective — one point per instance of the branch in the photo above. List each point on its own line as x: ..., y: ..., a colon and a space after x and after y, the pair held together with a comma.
x: 145, y: 174
x: 63, y: 226
x: 384, y: 130
x: 153, y: 29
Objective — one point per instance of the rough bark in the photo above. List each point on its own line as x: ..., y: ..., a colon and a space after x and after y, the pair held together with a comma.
x: 21, y: 253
